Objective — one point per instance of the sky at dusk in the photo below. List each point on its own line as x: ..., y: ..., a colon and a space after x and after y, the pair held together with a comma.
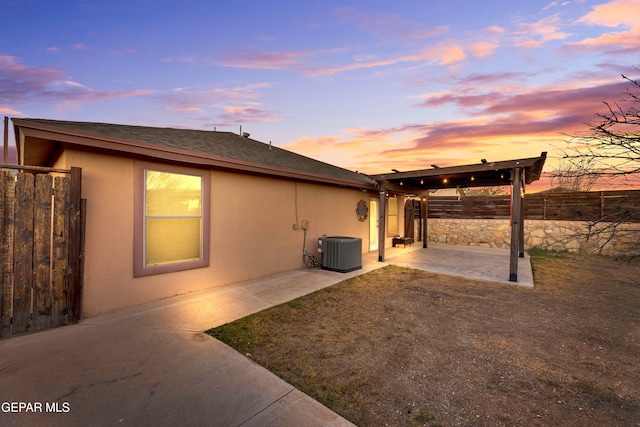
x: 366, y: 85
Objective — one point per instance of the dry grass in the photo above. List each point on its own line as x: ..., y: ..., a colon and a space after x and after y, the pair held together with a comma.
x: 406, y: 347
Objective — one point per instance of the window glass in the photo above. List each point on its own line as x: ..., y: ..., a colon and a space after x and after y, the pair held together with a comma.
x: 173, y: 218
x: 392, y: 216
x: 171, y: 240
x: 171, y: 229
x: 172, y: 194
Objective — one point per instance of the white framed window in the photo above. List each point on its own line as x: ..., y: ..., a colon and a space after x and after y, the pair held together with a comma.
x: 171, y: 225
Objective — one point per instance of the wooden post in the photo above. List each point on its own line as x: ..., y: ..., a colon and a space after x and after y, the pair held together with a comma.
x: 382, y: 224
x: 20, y: 148
x: 516, y: 213
x: 423, y: 207
x: 75, y: 255
x: 521, y: 227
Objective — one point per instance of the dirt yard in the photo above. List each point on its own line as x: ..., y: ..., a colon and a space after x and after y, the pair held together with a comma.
x: 405, y: 347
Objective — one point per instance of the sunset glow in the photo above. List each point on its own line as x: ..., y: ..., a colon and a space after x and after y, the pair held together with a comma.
x: 368, y: 86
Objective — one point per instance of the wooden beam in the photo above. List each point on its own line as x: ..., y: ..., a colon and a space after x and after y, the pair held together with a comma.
x: 516, y: 218
x: 35, y: 168
x: 396, y: 187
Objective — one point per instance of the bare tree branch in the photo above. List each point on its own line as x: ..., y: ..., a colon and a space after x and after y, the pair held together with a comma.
x: 607, y: 153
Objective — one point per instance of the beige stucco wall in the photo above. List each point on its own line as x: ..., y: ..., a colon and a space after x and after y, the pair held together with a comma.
x: 252, y: 231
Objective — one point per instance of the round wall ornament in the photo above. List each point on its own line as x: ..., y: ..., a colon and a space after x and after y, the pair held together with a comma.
x: 362, y: 211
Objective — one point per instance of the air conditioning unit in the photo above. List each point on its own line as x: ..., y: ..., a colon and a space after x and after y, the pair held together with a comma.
x: 340, y: 253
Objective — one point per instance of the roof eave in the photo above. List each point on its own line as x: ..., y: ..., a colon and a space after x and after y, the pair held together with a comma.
x: 89, y: 139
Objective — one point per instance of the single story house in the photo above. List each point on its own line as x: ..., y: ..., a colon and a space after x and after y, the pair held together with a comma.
x: 171, y: 211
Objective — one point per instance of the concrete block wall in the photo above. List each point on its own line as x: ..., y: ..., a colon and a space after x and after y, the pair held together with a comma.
x: 547, y: 234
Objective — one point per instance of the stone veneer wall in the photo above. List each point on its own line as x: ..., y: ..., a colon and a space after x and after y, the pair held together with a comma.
x: 553, y: 235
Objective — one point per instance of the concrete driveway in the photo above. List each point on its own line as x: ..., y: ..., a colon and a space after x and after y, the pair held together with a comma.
x: 153, y: 365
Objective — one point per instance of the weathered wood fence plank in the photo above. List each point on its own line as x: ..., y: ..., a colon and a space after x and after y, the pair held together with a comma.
x: 7, y: 210
x: 60, y: 248
x: 23, y: 253
x: 42, y: 290
x: 41, y: 265
x: 570, y: 206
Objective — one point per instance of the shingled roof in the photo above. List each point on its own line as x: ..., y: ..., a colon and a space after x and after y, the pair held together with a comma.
x: 221, y: 149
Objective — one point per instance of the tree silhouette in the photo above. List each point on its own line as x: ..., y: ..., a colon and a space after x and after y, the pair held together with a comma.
x: 610, y: 148
x: 609, y: 153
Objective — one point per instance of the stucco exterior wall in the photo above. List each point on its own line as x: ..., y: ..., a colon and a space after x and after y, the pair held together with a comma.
x: 553, y: 235
x: 251, y: 234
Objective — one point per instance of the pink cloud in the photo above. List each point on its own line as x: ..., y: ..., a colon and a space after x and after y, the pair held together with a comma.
x: 539, y: 33
x: 48, y: 85
x: 389, y: 26
x: 552, y: 101
x: 502, y: 126
x: 446, y: 54
x: 583, y: 101
x: 495, y: 29
x: 330, y: 70
x: 235, y: 115
x: 184, y: 109
x: 10, y: 111
x: 496, y: 78
x: 541, y: 115
x: 613, y: 14
x: 265, y: 60
x: 482, y: 49
x: 609, y: 43
x: 35, y: 82
x: 616, y: 13
x: 81, y: 47
x: 193, y: 100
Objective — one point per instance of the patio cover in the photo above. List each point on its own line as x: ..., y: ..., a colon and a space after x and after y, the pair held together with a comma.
x: 516, y: 173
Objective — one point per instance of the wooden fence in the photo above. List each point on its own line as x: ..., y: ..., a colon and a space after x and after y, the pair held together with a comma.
x: 41, y: 239
x: 621, y: 206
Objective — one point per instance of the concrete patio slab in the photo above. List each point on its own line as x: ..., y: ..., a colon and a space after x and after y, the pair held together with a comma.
x: 474, y: 262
